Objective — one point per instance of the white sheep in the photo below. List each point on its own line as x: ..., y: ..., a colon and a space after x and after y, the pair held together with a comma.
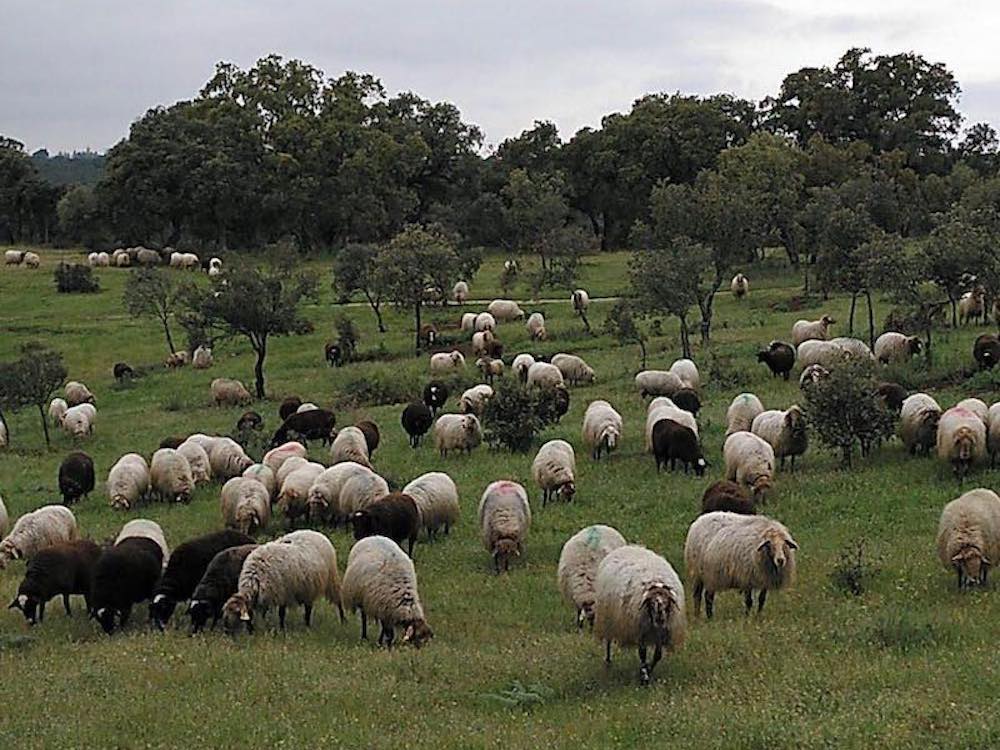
x: 639, y: 601
x: 687, y: 372
x: 468, y: 322
x: 294, y: 491
x: 491, y: 368
x: 350, y: 445
x: 968, y: 538
x: 505, y: 310
x: 727, y: 550
x: 961, y: 439
x: 197, y: 458
x: 544, y: 376
x: 170, y: 476
x: 443, y: 363
x: 128, y: 481
x: 77, y: 393
x: 92, y: 259
x: 749, y: 462
x: 574, y: 370
x: 812, y: 375
x: 657, y: 383
x: 381, y: 583
x: 578, y: 563
x: 504, y: 520
x: 175, y: 259
x: 971, y: 306
x: 977, y: 407
x: 993, y: 433
x: 143, y: 528
x: 602, y: 428
x: 474, y: 400
x: 485, y: 322
x: 893, y: 347
x: 436, y: 497
x: 482, y: 343
x: 741, y: 413
x: 37, y: 530
x: 229, y: 392
x: 460, y: 292
x: 580, y: 300
x: 554, y: 470
x: 784, y: 431
x: 739, y: 286
x: 189, y: 261
x: 277, y: 456
x: 855, y: 349
x: 227, y: 458
x: 78, y: 421
x: 804, y: 330
x: 202, y: 358
x: 457, y: 432
x: 292, y: 463
x: 245, y: 504
x: 13, y: 257
x: 263, y: 474
x: 323, y: 500
x: 34, y: 260
x: 536, y: 327
x: 361, y: 490
x: 918, y: 422
x: 57, y: 410
x: 520, y: 366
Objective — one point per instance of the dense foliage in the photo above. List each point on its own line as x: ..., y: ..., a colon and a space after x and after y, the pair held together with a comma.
x: 75, y: 277
x: 32, y: 380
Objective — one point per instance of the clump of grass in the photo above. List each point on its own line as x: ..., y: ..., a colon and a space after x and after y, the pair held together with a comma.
x: 173, y: 403
x: 16, y: 642
x: 855, y: 570
x: 379, y: 387
x: 519, y: 695
x: 902, y: 631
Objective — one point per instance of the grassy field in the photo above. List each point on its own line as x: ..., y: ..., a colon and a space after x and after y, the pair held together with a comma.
x: 912, y: 663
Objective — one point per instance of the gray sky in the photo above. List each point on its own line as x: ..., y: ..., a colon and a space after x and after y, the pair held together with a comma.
x: 75, y: 75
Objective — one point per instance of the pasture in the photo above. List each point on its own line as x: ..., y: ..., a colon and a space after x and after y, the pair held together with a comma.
x: 911, y: 663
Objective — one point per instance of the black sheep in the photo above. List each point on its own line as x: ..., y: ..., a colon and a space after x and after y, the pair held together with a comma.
x: 779, y: 357
x: 76, y: 477
x: 372, y: 436
x: 416, y: 419
x: 124, y: 575
x: 122, y: 371
x: 986, y: 351
x: 288, y: 407
x: 315, y: 424
x: 333, y: 355
x: 173, y: 441
x: 728, y: 496
x: 435, y: 395
x: 185, y: 568
x: 250, y: 420
x: 893, y: 394
x: 673, y: 441
x: 62, y: 569
x: 687, y: 399
x: 561, y: 400
x: 395, y: 516
x: 220, y: 581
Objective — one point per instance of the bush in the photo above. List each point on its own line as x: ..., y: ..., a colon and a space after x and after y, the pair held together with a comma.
x: 348, y: 337
x: 379, y: 387
x: 853, y: 572
x: 514, y: 416
x: 75, y: 277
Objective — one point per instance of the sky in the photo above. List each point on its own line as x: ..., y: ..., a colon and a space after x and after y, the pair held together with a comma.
x: 76, y: 75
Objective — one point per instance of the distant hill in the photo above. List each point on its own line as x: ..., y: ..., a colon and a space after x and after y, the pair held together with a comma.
x: 78, y: 168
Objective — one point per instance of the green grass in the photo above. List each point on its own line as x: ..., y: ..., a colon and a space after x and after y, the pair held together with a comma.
x: 912, y: 663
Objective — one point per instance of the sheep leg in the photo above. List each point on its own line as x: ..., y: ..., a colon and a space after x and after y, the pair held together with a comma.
x: 781, y: 464
x: 412, y: 540
x: 41, y: 611
x: 644, y: 669
x: 69, y: 612
x: 340, y: 609
x: 389, y: 634
x: 123, y: 618
x: 657, y: 655
x: 699, y: 587
x: 709, y: 604
x: 308, y: 609
x: 607, y: 652
x: 761, y: 599
x: 748, y: 600
x: 364, y: 626
x: 281, y: 617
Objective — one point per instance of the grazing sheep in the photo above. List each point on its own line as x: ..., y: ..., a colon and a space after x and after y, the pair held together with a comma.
x: 520, y: 366
x: 229, y: 392
x: 13, y: 257
x: 76, y: 477
x: 474, y: 400
x: 126, y: 572
x: 395, y: 516
x: 288, y: 407
x: 287, y: 467
x: 435, y: 395
x: 77, y: 393
x: 742, y: 412
x: 733, y: 551
x: 687, y: 400
x: 128, y: 481
x: 961, y: 440
x: 812, y: 375
x: 485, y: 322
x: 228, y: 459
x: 639, y: 601
x: 578, y: 563
x: 443, y: 363
x: 323, y: 500
x: 505, y: 310
x: 602, y: 428
x: 246, y: 505
x: 220, y: 582
x: 662, y: 407
x: 827, y: 354
x: 968, y: 538
x: 64, y: 569
x: 993, y: 433
x: 275, y: 457
x: 544, y: 376
x: 581, y: 301
x: 33, y: 260
x: 560, y: 401
x: 728, y: 496
x: 294, y: 491
x: 536, y: 327
x: 554, y: 471
x: 892, y: 347
x: 893, y: 395
x: 460, y: 292
x: 312, y: 424
x: 457, y: 432
x: 202, y: 358
x: 350, y: 445
x: 918, y: 423
x: 147, y: 257
x: 480, y: 343
x: 749, y: 462
x: 173, y: 441
x: 78, y: 421
x: 37, y: 530
x: 197, y: 458
x: 436, y: 497
x: 170, y: 477
x: 972, y: 306
x: 122, y: 371
x: 428, y: 334
x: 333, y: 355
x: 784, y: 431
x: 977, y: 407
x: 687, y: 372
x: 504, y: 518
x: 986, y: 351
x: 416, y: 420
x: 672, y: 441
x: 854, y: 348
x: 122, y: 259
x: 779, y: 358
x: 491, y: 368
x: 359, y: 490
x: 372, y: 435
x: 574, y: 370
x: 177, y: 359
x: 249, y: 420
x: 264, y: 475
x: 805, y: 330
x: 739, y: 286
x: 57, y: 410
x: 468, y: 322
x: 381, y: 583
x: 657, y: 383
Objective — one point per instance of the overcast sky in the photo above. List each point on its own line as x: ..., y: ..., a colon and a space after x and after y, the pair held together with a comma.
x: 75, y: 75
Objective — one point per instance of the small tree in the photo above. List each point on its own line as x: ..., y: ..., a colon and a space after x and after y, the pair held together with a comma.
x: 514, y: 416
x: 75, y: 277
x: 354, y: 271
x: 347, y: 338
x: 154, y: 293
x: 32, y: 380
x: 622, y: 325
x: 956, y: 250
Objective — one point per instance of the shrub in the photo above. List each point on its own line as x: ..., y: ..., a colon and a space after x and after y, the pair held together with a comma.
x: 514, y: 416
x: 853, y: 572
x: 378, y: 387
x: 348, y: 337
x: 75, y: 277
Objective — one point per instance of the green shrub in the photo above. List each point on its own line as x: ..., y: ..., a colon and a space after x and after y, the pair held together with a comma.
x: 75, y: 277
x: 378, y: 387
x: 514, y: 416
x: 854, y: 571
x: 348, y: 338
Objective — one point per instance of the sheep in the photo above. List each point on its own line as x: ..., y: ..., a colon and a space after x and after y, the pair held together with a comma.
x: 457, y: 432
x: 977, y: 407
x: 657, y: 383
x: 505, y: 310
x: 359, y: 490
x: 323, y: 499
x: 436, y: 497
x: 854, y: 348
x: 893, y: 395
x: 544, y: 376
x: 428, y: 334
x: 993, y: 433
x: 372, y: 436
x: 4, y: 519
x: 229, y: 392
x: 805, y: 330
x: 13, y: 257
x: 37, y: 530
x: 662, y: 407
x: 202, y: 358
x: 986, y: 350
x: 918, y: 423
x: 784, y: 431
x: 350, y: 445
x: 468, y: 322
x: 560, y: 401
x: 288, y: 407
x: 578, y: 563
x: 78, y: 421
x: 485, y: 322
x: 602, y: 428
x: 733, y: 551
x: 536, y: 327
x: 92, y: 259
x: 380, y: 582
x: 57, y: 410
x: 332, y: 354
x: 961, y: 439
x: 77, y: 393
x: 968, y: 538
x: 395, y: 516
x: 197, y: 458
x: 460, y: 292
x: 245, y: 505
x: 76, y: 477
x: 312, y: 424
x: 504, y: 518
x: 520, y: 366
x: 779, y: 358
x: 126, y: 572
x: 827, y: 354
x: 264, y: 475
x: 275, y: 457
x: 170, y: 476
x: 728, y: 496
x: 687, y: 372
x: 121, y: 372
x: 122, y: 260
x: 294, y: 491
x: 128, y: 481
x: 480, y: 344
x: 972, y: 306
x: 473, y: 400
x: 4, y: 433
x: 750, y: 462
x: 287, y: 467
x: 574, y: 370
x: 228, y: 459
x: 672, y: 441
x: 219, y: 582
x: 33, y: 260
x: 416, y: 420
x: 639, y: 601
x: 174, y: 260
x: 63, y: 569
x: 177, y: 359
x: 284, y: 573
x: 554, y: 470
x: 435, y: 396
x: 249, y: 420
x: 148, y: 257
x: 812, y: 375
x: 739, y: 286
x: 189, y: 261
x: 186, y: 567
x: 443, y: 363
x: 742, y: 412
x: 892, y: 347
x: 580, y: 300
x: 490, y: 368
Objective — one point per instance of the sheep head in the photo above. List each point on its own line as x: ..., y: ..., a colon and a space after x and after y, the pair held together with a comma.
x: 776, y: 550
x: 567, y: 490
x: 199, y: 611
x: 160, y: 610
x: 915, y: 344
x: 827, y: 321
x: 246, y: 520
x: 971, y: 565
x: 503, y: 550
x: 760, y: 487
x: 236, y: 612
x: 105, y: 616
x: 610, y: 438
x: 28, y: 606
x: 417, y: 632
x: 700, y: 465
x: 657, y: 606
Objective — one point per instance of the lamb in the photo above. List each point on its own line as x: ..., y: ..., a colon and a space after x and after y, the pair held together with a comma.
x: 63, y: 569
x: 170, y: 476
x: 185, y: 569
x: 76, y: 477
x: 312, y: 424
x: 993, y: 433
x: 784, y: 431
x: 480, y: 344
x: 554, y: 470
x: 536, y: 327
x: 485, y: 322
x: 443, y: 363
x: 972, y: 306
x: 918, y: 423
x: 249, y: 421
x: 504, y: 518
x: 739, y: 286
x: 574, y: 370
x: 961, y: 440
x: 77, y: 393
x: 395, y: 516
x: 505, y: 310
x: 350, y: 445
x: 323, y: 500
x: 126, y: 572
x: 264, y: 475
x: 639, y: 601
x: 491, y: 368
x: 332, y: 354
x: 372, y: 436
x: 57, y: 410
x: 687, y: 372
x: 246, y: 505
x: 228, y: 459
x: 805, y: 330
x: 128, y: 481
x: 728, y: 496
x: 78, y: 421
x: 578, y: 563
x: 294, y: 491
x: 544, y: 376
x: 473, y: 400
x: 580, y: 300
x: 977, y: 407
x: 121, y: 371
x: 457, y: 432
x: 602, y: 428
x: 435, y: 396
x: 220, y: 582
x: 460, y: 292
x: 202, y: 358
x: 750, y: 462
x: 986, y: 351
x: 37, y: 530
x: 381, y: 583
x: 229, y: 392
x: 288, y: 407
x: 34, y: 260
x: 197, y: 458
x: 742, y: 412
x: 177, y: 359
x: 416, y: 420
x: 672, y: 441
x: 968, y: 538
x: 468, y: 322
x: 732, y: 551
x: 657, y: 383
x: 275, y: 457
x: 892, y: 347
x: 436, y: 497
x: 779, y: 358
x: 520, y: 366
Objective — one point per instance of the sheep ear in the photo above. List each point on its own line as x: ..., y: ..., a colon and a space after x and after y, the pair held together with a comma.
x: 792, y: 543
x: 245, y: 616
x: 15, y: 604
x: 958, y: 557
x: 986, y: 561
x: 762, y: 545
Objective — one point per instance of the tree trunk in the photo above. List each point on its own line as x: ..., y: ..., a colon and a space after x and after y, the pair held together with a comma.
x: 586, y: 323
x: 170, y: 340
x: 258, y: 369
x: 45, y: 425
x: 805, y: 278
x: 954, y: 311
x: 871, y: 320
x: 685, y: 339
x: 376, y: 306
x: 850, y: 318
x: 416, y: 311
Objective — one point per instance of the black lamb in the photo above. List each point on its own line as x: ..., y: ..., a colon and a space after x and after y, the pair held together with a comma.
x: 288, y: 407
x: 76, y: 477
x: 687, y: 399
x: 435, y: 395
x: 62, y: 569
x: 315, y: 424
x: 124, y: 575
x: 674, y: 442
x: 122, y: 371
x: 779, y: 357
x: 416, y: 419
x: 986, y: 351
x: 220, y: 582
x: 728, y: 496
x: 395, y: 516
